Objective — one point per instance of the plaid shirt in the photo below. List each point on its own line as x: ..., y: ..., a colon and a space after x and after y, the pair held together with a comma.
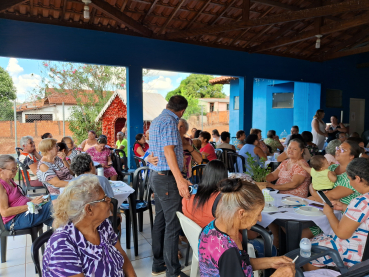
x: 164, y: 132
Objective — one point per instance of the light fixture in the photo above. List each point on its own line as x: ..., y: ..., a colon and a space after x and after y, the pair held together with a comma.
x: 317, y: 43
x: 86, y: 9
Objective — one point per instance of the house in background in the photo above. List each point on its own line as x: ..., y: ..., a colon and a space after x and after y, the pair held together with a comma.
x: 214, y: 104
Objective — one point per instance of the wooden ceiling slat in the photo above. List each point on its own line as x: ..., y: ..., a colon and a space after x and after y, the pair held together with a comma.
x: 150, y: 10
x: 180, y: 3
x: 120, y: 17
x: 63, y: 11
x: 226, y: 7
x: 199, y: 12
x: 354, y: 51
x: 8, y: 4
x: 246, y: 10
x: 327, y: 29
x: 352, y: 5
x: 123, y: 5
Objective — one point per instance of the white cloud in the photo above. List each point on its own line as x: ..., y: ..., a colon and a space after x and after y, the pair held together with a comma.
x: 26, y: 82
x: 13, y: 67
x: 153, y: 72
x: 179, y: 80
x: 160, y: 83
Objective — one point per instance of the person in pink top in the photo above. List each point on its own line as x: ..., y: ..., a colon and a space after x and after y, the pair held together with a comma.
x: 89, y: 142
x: 207, y: 150
x: 13, y: 204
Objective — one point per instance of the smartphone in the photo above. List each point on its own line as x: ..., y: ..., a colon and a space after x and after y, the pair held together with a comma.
x: 325, y: 198
x: 319, y: 206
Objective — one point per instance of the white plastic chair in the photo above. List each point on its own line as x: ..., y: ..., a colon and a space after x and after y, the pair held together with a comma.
x: 192, y: 232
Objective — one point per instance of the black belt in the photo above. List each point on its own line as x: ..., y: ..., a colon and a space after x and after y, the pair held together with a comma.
x: 165, y: 172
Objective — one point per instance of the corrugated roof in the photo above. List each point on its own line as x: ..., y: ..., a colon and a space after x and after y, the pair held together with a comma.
x: 222, y: 80
x: 222, y: 100
x: 153, y: 104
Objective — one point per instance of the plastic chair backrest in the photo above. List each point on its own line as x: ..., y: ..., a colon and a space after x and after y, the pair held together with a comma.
x: 219, y: 153
x: 192, y: 232
x: 2, y: 226
x: 116, y: 152
x: 141, y: 183
x: 197, y: 171
x: 36, y: 245
x: 234, y: 160
x: 213, y: 144
x: 114, y: 216
x: 139, y: 160
x: 17, y: 150
x: 24, y: 172
x: 224, y: 158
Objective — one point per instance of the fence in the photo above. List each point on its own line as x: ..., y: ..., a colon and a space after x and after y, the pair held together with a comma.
x: 210, y: 121
x: 11, y: 130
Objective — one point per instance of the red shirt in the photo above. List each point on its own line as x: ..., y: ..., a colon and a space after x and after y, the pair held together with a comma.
x: 144, y: 147
x: 208, y: 148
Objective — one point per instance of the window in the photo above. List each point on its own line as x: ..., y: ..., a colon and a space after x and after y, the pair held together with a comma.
x: 236, y: 103
x: 334, y: 98
x: 38, y: 117
x: 211, y: 107
x: 283, y: 100
x: 227, y: 107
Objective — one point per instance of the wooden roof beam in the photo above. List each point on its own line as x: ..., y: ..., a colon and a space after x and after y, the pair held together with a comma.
x: 150, y: 10
x: 347, y: 6
x: 362, y: 34
x: 120, y: 17
x: 327, y: 29
x: 7, y: 4
x: 350, y: 52
x: 227, y: 6
x: 246, y: 10
x: 199, y: 12
x: 162, y: 29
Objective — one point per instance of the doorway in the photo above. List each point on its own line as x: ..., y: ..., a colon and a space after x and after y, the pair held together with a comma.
x: 119, y: 124
x: 357, y: 113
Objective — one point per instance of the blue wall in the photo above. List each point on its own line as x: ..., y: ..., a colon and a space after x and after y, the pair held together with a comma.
x: 41, y: 41
x: 234, y: 115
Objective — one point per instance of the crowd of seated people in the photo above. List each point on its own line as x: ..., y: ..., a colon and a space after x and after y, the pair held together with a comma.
x: 221, y: 206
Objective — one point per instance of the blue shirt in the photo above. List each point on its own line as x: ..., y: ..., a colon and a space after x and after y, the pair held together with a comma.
x: 104, y: 183
x: 164, y: 132
x: 247, y: 148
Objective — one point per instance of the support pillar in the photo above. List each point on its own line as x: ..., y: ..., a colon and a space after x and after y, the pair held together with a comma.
x: 134, y: 109
x: 246, y: 98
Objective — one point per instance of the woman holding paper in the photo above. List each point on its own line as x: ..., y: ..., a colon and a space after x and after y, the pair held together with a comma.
x: 13, y: 204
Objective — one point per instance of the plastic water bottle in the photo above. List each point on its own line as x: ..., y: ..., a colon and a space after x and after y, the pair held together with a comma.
x: 283, y: 135
x: 100, y: 171
x: 305, y: 248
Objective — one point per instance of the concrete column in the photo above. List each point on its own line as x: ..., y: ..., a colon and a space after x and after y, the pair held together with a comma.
x: 134, y: 108
x: 246, y: 97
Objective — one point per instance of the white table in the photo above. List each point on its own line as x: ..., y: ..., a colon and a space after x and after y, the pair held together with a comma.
x: 321, y: 221
x: 121, y: 191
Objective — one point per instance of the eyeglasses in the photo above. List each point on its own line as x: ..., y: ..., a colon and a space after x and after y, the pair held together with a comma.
x: 339, y: 149
x: 12, y: 170
x: 105, y: 199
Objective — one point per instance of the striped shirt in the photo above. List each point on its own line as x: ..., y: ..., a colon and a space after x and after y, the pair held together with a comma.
x: 164, y: 132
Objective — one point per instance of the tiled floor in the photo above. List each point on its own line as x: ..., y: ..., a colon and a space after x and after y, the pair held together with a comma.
x: 19, y: 262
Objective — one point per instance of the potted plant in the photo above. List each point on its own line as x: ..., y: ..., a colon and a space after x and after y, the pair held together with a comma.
x: 256, y: 171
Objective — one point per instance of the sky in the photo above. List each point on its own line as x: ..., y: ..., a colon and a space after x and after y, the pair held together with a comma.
x: 26, y: 76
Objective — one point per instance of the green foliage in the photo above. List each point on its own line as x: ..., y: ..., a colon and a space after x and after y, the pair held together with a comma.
x: 7, y: 93
x: 254, y: 169
x: 196, y: 86
x: 90, y: 85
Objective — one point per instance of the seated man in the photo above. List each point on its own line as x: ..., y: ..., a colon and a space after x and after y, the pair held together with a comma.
x: 82, y: 164
x: 294, y: 131
x: 226, y: 138
x: 30, y: 157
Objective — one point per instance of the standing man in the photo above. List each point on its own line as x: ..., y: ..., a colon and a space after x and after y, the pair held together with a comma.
x: 169, y: 186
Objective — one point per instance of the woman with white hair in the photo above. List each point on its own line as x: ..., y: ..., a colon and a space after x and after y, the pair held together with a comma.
x: 13, y: 204
x: 30, y: 158
x: 84, y: 243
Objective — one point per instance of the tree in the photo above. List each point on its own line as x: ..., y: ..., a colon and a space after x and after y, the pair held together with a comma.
x: 7, y: 93
x: 196, y: 86
x: 90, y: 85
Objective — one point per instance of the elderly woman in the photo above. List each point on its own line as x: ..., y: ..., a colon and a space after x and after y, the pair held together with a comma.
x: 13, y: 204
x: 207, y: 150
x: 351, y: 232
x: 53, y: 169
x: 306, y: 154
x: 240, y: 139
x: 334, y: 128
x: 220, y: 247
x: 262, y: 145
x: 190, y: 154
x: 273, y: 141
x: 84, y: 243
x: 308, y: 138
x: 30, y: 157
x: 251, y: 147
x: 89, y: 142
x: 318, y: 129
x: 83, y: 165
x: 140, y: 147
x: 292, y: 178
x: 193, y: 131
x: 101, y: 154
x: 72, y: 150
